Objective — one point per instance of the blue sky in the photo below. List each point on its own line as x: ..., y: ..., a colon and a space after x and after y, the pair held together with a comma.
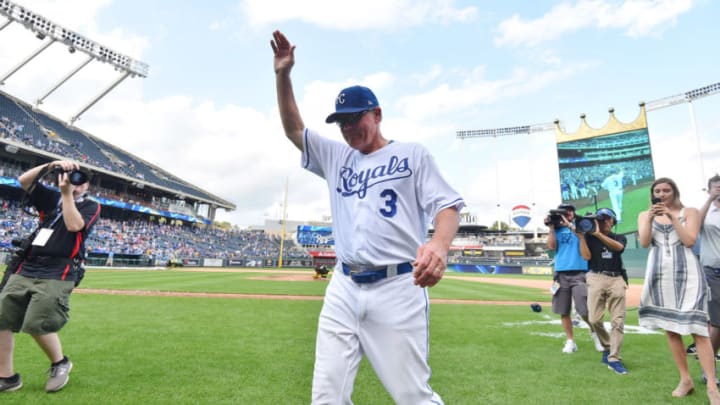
x: 207, y: 111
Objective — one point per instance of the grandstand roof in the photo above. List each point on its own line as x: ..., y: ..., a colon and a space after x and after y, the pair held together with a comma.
x: 473, y: 229
x: 101, y: 157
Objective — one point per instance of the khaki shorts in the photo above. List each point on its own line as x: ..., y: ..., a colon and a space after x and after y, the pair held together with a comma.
x: 35, y: 306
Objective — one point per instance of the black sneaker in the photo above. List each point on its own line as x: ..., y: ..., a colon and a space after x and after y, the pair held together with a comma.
x: 59, y: 376
x: 691, y: 350
x: 12, y: 383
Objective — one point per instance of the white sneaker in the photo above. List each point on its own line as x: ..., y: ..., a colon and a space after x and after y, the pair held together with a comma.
x: 598, y: 346
x: 570, y: 347
x: 576, y: 319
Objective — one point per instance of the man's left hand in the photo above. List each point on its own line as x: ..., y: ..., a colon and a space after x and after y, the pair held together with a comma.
x: 429, y: 264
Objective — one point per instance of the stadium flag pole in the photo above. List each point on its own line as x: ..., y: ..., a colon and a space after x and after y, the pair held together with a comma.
x: 284, y: 222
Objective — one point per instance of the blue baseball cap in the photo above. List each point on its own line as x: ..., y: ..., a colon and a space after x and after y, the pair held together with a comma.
x: 353, y: 100
x: 606, y: 212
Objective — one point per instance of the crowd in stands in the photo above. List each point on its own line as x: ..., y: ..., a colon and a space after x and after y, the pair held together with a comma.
x: 162, y: 241
x: 491, y: 240
x: 21, y: 124
x: 14, y: 224
x: 28, y: 132
x: 12, y: 170
x: 586, y: 181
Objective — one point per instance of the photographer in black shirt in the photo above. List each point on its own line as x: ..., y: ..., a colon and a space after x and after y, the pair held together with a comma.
x: 36, y: 298
x: 607, y: 286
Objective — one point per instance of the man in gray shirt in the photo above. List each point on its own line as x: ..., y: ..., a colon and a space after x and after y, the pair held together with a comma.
x: 710, y: 255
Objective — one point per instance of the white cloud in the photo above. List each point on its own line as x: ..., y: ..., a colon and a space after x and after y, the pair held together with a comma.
x: 476, y: 89
x: 637, y: 18
x: 348, y: 16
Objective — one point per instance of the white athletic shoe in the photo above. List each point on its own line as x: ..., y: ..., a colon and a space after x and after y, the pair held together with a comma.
x: 576, y: 319
x: 570, y: 347
x: 598, y: 346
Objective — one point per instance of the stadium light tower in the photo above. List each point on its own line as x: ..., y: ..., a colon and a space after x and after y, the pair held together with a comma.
x: 44, y: 28
x: 688, y: 97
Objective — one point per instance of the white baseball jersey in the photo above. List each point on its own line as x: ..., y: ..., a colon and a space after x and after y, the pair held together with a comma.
x: 381, y: 205
x: 614, y: 183
x: 382, y: 202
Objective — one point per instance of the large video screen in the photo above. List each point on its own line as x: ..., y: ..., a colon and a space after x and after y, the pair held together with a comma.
x: 315, y: 235
x: 610, y: 171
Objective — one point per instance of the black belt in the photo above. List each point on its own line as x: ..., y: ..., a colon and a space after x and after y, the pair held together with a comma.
x: 363, y: 275
x: 608, y: 273
x: 48, y: 260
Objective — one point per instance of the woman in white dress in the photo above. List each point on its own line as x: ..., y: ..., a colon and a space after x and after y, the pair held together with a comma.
x: 675, y: 295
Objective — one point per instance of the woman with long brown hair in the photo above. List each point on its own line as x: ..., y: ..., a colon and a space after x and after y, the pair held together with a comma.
x: 674, y: 296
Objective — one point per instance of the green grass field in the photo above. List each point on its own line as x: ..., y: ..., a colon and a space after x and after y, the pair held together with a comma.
x: 188, y: 350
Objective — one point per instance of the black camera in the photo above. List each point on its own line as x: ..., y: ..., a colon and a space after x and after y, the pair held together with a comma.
x: 22, y: 246
x: 76, y: 177
x: 586, y: 223
x: 555, y: 217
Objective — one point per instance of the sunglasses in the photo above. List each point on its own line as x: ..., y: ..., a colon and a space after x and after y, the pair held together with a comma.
x: 351, y: 119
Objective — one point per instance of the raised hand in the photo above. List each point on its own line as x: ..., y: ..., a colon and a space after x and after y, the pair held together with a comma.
x: 284, y: 52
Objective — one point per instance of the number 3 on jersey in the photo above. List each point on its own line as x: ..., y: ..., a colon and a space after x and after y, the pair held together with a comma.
x: 390, y: 208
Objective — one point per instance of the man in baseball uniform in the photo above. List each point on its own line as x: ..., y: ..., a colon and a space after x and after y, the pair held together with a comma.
x: 383, y: 195
x: 614, y: 185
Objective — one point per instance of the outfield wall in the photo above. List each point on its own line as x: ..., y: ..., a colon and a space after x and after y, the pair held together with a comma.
x: 634, y: 260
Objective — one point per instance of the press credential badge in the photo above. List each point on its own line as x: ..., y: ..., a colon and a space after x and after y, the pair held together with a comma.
x: 42, y: 237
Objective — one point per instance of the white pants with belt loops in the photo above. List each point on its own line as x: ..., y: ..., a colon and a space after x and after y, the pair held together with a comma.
x: 387, y: 321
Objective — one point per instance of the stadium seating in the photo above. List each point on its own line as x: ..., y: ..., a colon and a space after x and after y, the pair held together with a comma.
x: 161, y: 241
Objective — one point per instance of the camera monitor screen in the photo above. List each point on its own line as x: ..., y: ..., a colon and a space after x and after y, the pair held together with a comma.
x: 608, y: 171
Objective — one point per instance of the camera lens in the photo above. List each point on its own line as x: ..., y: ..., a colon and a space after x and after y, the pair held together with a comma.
x: 77, y: 177
x: 585, y: 225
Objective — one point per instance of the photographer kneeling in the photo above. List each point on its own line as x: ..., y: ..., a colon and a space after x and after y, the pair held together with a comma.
x: 607, y: 285
x: 36, y: 298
